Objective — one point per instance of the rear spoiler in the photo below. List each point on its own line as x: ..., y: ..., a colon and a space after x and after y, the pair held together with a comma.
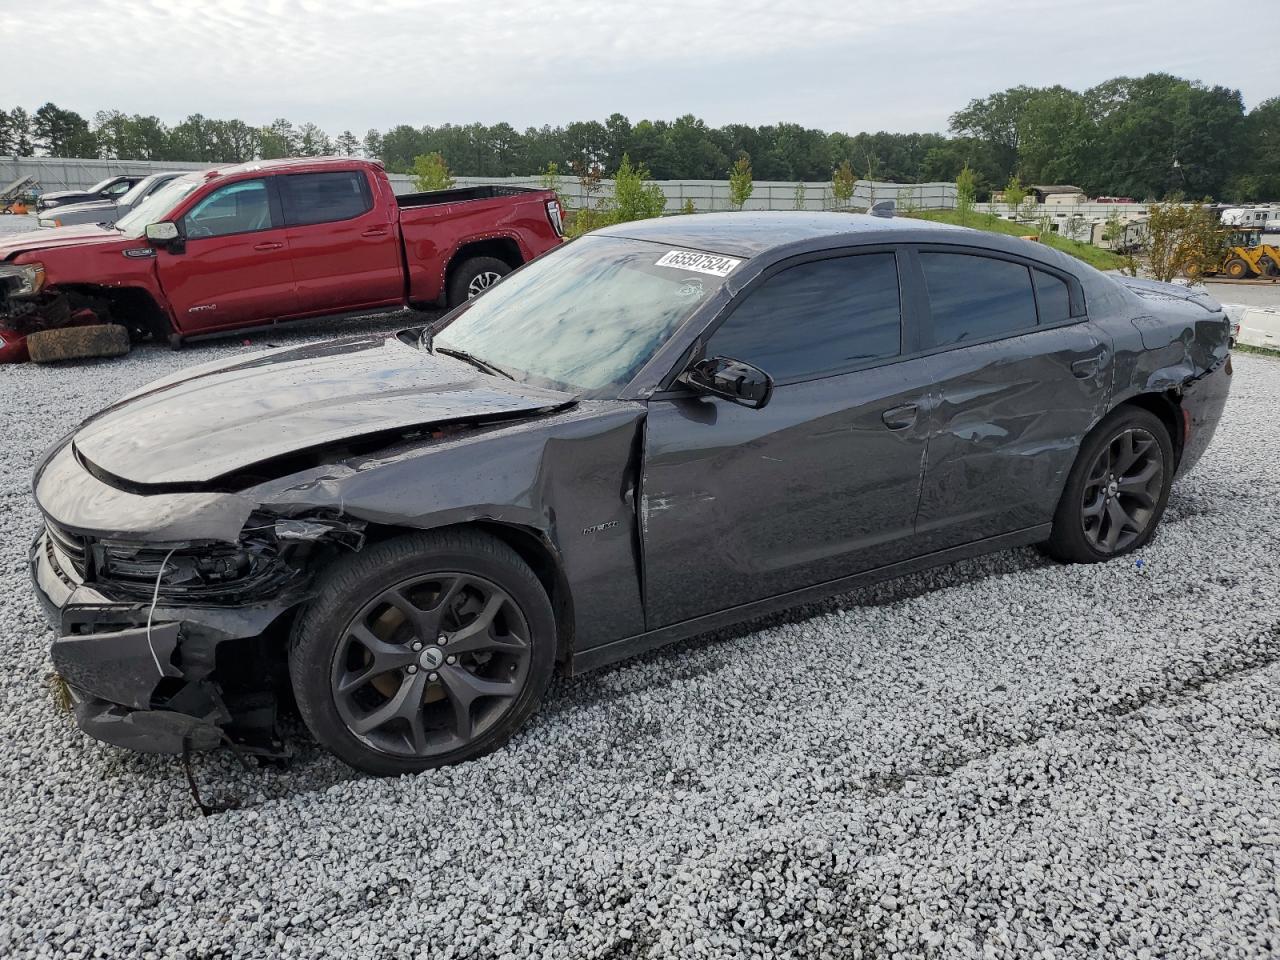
x: 1155, y: 290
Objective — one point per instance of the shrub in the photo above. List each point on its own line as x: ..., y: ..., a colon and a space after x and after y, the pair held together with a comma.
x: 966, y: 193
x: 799, y: 196
x: 635, y: 195
x: 1014, y: 194
x: 843, y: 182
x: 687, y: 206
x: 430, y: 172
x: 1181, y: 238
x: 740, y: 182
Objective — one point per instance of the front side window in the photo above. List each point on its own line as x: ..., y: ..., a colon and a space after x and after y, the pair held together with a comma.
x: 324, y: 197
x: 976, y: 298
x: 241, y: 207
x: 817, y: 318
x: 118, y: 189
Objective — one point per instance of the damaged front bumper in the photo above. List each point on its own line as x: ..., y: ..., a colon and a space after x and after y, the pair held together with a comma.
x: 146, y: 679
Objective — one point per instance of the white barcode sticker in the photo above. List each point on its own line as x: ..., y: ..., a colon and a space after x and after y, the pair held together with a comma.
x: 711, y: 263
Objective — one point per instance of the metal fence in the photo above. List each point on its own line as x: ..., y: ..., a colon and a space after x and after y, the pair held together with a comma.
x: 57, y: 173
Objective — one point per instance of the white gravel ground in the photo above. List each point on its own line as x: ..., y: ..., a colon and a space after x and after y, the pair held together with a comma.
x: 1002, y: 758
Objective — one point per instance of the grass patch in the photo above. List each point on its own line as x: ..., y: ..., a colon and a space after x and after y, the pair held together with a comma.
x: 1094, y: 256
x: 1260, y: 351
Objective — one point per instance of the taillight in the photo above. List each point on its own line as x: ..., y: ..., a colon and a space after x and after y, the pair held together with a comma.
x: 556, y: 216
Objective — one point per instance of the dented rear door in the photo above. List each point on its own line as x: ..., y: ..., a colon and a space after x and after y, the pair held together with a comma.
x: 1011, y: 410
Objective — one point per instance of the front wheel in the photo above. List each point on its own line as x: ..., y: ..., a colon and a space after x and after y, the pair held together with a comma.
x: 422, y: 651
x: 473, y: 277
x: 1237, y: 269
x: 1117, y: 489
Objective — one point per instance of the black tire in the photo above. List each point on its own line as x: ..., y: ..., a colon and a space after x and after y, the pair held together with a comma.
x: 1237, y: 269
x: 472, y: 277
x: 1269, y: 267
x: 78, y: 343
x: 329, y: 688
x: 1091, y: 498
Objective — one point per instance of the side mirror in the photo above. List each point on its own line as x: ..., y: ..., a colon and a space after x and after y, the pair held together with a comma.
x: 730, y: 379
x: 162, y: 232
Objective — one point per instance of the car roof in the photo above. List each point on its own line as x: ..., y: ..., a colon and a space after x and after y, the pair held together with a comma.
x: 786, y: 233
x: 749, y: 233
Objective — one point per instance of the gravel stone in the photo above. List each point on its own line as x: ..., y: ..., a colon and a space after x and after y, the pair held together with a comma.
x: 1001, y: 758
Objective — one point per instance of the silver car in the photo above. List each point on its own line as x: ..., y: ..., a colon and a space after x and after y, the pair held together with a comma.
x: 106, y: 211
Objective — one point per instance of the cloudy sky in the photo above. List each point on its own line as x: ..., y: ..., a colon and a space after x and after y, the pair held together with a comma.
x: 853, y: 65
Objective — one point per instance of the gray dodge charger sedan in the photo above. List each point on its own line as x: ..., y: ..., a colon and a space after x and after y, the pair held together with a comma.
x: 657, y: 430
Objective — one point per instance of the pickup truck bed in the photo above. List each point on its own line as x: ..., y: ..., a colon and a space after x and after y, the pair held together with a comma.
x: 251, y: 245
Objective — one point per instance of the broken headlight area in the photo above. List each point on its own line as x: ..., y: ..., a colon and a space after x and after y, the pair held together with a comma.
x: 272, y: 554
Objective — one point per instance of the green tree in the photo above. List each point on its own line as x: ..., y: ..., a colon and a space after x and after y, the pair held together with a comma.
x: 1181, y: 238
x: 373, y: 144
x: 346, y: 144
x: 740, y: 181
x: 635, y: 195
x: 966, y: 193
x: 843, y: 182
x: 62, y: 133
x: 313, y: 142
x: 1014, y: 194
x: 431, y: 172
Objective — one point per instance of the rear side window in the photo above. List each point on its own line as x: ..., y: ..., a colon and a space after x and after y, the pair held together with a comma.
x: 974, y: 297
x: 324, y: 197
x: 1052, y: 297
x: 817, y: 318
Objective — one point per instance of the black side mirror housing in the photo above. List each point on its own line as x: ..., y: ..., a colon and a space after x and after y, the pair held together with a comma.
x: 729, y: 379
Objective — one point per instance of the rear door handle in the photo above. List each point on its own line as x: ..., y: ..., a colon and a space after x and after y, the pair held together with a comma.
x: 1088, y: 366
x: 268, y: 246
x: 899, y: 418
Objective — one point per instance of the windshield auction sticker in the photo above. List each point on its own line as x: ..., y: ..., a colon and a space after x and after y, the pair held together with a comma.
x: 711, y: 263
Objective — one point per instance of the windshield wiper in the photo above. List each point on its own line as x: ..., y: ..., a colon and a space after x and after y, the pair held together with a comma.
x: 475, y: 361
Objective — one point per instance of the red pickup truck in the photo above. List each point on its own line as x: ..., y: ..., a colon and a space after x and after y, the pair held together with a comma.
x: 249, y: 245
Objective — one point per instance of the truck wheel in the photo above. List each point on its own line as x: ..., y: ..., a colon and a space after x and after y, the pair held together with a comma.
x: 422, y: 651
x: 1237, y: 269
x: 473, y: 277
x: 75, y: 343
x: 1269, y: 267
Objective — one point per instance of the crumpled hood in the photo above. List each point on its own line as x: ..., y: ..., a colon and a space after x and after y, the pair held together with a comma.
x: 206, y: 422
x: 52, y: 238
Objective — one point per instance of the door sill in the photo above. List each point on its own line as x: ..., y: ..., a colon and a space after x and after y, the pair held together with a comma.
x: 595, y: 657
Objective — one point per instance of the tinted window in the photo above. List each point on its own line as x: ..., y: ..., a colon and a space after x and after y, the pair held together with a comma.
x: 817, y: 318
x: 973, y: 298
x: 1052, y: 297
x: 325, y: 197
x: 236, y: 208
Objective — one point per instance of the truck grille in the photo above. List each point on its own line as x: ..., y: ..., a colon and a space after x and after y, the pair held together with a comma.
x: 71, y: 546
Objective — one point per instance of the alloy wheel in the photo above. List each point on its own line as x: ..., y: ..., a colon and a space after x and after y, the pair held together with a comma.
x: 482, y: 282
x: 430, y: 664
x: 1122, y: 491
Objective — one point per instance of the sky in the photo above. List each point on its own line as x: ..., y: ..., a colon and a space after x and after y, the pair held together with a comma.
x: 857, y: 65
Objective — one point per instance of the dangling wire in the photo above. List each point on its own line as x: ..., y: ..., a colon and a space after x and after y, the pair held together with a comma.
x: 155, y: 598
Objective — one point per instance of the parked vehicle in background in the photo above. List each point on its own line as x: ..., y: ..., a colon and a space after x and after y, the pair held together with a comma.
x: 248, y: 246
x: 112, y: 188
x: 663, y: 428
x: 108, y: 211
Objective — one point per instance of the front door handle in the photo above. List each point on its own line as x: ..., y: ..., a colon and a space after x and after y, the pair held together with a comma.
x: 268, y: 246
x: 375, y: 232
x: 1088, y: 367
x: 899, y: 418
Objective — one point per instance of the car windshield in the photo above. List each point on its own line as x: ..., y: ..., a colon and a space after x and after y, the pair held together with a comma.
x: 155, y: 207
x: 586, y: 317
x: 101, y: 185
x: 132, y: 195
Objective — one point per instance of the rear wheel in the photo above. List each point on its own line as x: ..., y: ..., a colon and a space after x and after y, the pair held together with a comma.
x: 1269, y: 267
x: 1117, y: 489
x: 422, y: 651
x: 473, y: 277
